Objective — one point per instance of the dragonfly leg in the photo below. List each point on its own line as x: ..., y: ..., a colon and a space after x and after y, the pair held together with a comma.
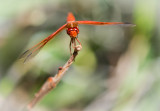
x: 78, y: 41
x: 70, y: 47
x: 73, y: 42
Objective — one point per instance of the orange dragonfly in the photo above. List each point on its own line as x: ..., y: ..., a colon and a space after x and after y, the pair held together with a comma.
x: 72, y: 30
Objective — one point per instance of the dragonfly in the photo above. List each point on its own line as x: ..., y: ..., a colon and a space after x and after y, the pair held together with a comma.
x: 72, y: 30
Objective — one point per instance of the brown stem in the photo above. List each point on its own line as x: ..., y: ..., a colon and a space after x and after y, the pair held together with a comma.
x: 53, y: 81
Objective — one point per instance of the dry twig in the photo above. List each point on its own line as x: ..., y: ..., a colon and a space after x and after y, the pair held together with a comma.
x: 53, y: 81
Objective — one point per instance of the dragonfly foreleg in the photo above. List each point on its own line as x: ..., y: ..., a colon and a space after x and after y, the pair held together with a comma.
x: 70, y: 47
x: 78, y: 41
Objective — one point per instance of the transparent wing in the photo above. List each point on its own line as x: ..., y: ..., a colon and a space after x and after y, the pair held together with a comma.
x: 28, y: 54
x: 104, y: 23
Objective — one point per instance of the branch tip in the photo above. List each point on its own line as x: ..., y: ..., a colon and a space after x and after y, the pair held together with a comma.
x: 53, y: 81
x: 78, y: 47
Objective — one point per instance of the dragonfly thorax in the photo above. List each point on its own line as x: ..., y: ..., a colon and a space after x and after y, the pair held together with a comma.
x: 73, y: 32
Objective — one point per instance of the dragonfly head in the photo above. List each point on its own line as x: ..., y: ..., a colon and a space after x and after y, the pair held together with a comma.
x: 73, y: 32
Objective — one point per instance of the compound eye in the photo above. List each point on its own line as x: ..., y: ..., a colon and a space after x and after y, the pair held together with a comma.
x: 69, y: 30
x: 76, y: 29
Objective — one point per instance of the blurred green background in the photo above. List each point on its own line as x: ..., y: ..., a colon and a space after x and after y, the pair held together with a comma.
x: 117, y: 69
